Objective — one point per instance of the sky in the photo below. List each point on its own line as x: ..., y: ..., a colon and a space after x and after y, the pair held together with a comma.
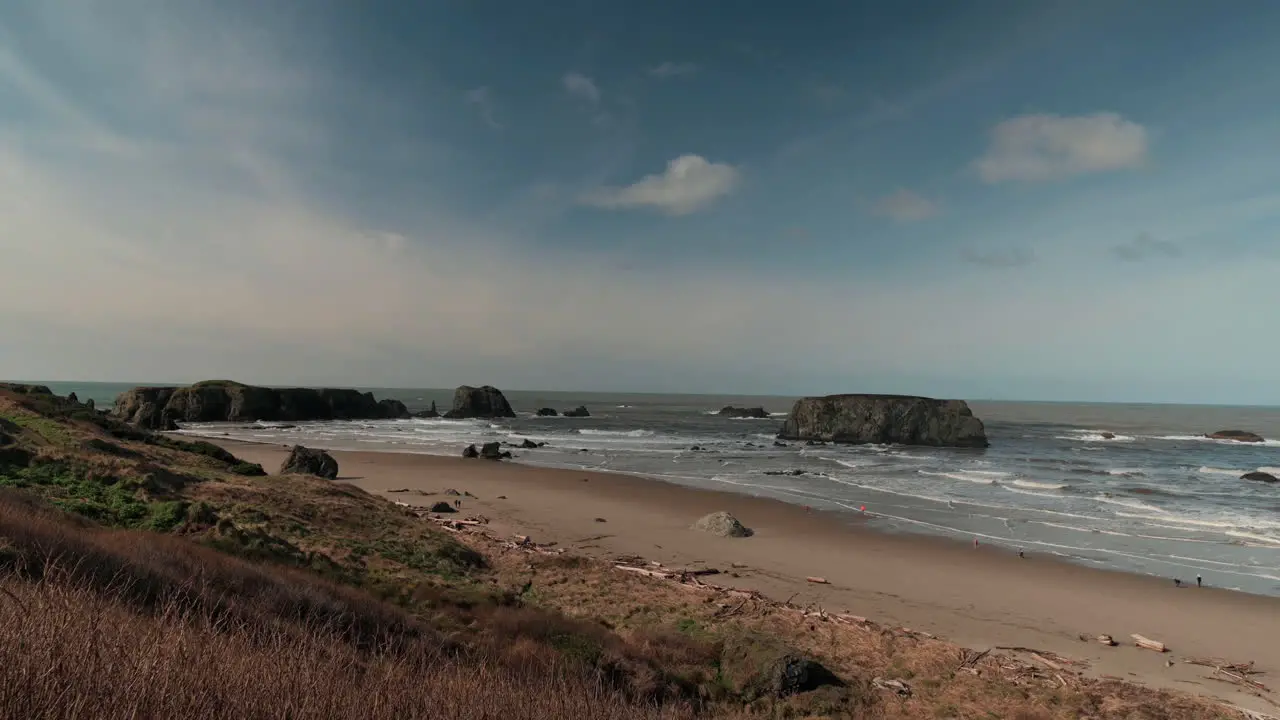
x: 995, y: 199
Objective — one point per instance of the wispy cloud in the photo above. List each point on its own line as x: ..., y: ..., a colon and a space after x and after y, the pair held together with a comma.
x: 690, y: 183
x: 1001, y: 258
x: 905, y: 206
x: 1145, y: 247
x: 1049, y: 147
x: 482, y: 99
x: 673, y: 69
x: 581, y: 86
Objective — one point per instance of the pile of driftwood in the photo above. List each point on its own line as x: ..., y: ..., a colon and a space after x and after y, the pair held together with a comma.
x: 1240, y: 674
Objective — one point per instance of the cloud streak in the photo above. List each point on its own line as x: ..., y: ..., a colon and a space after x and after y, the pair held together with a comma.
x: 482, y: 100
x: 905, y: 206
x: 673, y: 69
x: 1032, y: 148
x: 581, y: 86
x: 689, y: 184
x: 1003, y: 258
x: 1145, y: 247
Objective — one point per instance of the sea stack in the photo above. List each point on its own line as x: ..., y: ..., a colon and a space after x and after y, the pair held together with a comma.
x: 884, y: 419
x: 159, y: 408
x: 479, y: 402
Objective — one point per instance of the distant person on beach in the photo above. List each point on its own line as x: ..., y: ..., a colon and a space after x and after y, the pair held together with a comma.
x: 1199, y: 581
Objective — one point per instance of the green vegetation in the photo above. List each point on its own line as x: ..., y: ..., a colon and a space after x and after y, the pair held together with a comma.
x: 110, y: 501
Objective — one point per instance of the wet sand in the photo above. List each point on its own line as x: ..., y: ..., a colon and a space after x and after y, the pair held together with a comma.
x: 977, y: 597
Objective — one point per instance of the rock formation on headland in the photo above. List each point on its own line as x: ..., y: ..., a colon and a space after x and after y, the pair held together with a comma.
x: 430, y: 413
x: 306, y: 461
x: 160, y: 408
x: 1237, y: 435
x: 884, y: 419
x: 547, y: 412
x: 479, y: 402
x: 756, y: 413
x: 580, y: 411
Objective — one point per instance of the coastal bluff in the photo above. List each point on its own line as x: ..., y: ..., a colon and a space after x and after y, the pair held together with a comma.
x: 161, y: 408
x: 884, y: 419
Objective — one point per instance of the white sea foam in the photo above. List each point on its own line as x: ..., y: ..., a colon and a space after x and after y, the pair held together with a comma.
x: 1205, y: 470
x: 638, y: 433
x: 1227, y: 443
x: 1095, y: 436
x: 967, y: 476
x: 1272, y: 470
x: 1125, y: 471
x: 1039, y: 485
x: 1131, y: 504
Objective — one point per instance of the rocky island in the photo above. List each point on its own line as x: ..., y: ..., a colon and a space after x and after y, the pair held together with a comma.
x: 744, y: 413
x: 884, y: 419
x: 161, y: 408
x: 486, y: 401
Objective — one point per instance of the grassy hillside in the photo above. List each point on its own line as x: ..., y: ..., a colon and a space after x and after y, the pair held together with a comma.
x: 146, y: 576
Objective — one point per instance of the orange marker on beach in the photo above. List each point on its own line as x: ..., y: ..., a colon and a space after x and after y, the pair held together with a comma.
x: 863, y: 508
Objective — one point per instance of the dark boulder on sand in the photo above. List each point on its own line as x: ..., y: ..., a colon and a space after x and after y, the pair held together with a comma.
x: 547, y: 412
x: 443, y: 507
x: 753, y: 413
x: 161, y: 408
x: 580, y: 411
x: 884, y: 419
x: 305, y: 461
x: 494, y: 451
x: 1236, y: 435
x: 530, y: 445
x: 1260, y: 477
x: 479, y: 402
x: 722, y: 524
x: 470, y: 451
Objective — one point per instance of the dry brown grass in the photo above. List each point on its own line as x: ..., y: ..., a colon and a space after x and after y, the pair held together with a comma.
x: 68, y: 650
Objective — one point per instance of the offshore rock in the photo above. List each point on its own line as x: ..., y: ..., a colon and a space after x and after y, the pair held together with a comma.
x: 160, y: 408
x: 884, y: 419
x: 479, y: 402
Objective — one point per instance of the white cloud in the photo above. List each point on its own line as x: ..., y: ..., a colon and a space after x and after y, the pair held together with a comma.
x: 1047, y: 147
x: 673, y: 69
x: 689, y: 184
x: 581, y: 86
x: 905, y: 206
x: 482, y: 99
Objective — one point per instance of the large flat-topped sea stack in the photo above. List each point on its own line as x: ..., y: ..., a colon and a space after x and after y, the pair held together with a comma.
x: 486, y: 401
x: 160, y: 408
x: 884, y: 419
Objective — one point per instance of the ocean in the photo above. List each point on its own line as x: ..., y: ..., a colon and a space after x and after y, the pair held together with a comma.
x: 1157, y: 498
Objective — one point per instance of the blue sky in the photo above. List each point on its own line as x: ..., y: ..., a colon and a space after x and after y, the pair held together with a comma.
x: 985, y: 199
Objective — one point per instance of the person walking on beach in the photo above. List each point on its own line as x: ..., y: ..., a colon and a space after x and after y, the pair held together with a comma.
x: 1199, y: 581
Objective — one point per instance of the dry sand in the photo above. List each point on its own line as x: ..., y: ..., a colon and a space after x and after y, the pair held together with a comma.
x: 976, y: 597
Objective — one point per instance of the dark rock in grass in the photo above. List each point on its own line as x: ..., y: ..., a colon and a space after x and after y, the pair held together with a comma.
x: 306, y: 461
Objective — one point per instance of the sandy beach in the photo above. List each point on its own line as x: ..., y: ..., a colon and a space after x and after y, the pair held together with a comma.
x: 978, y: 597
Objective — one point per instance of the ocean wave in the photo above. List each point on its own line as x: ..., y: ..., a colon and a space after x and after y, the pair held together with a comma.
x: 1126, y: 471
x: 1206, y: 470
x: 1095, y: 436
x: 1131, y: 504
x: 1215, y: 441
x: 1272, y: 470
x: 638, y: 433
x: 974, y: 476
x: 1039, y: 485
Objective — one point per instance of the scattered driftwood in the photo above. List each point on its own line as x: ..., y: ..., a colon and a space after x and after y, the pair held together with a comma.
x: 399, y: 490
x: 895, y: 686
x: 1107, y: 640
x: 1148, y: 643
x: 1051, y: 660
x: 818, y: 580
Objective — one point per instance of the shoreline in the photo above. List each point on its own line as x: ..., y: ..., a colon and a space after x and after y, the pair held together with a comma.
x: 976, y: 597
